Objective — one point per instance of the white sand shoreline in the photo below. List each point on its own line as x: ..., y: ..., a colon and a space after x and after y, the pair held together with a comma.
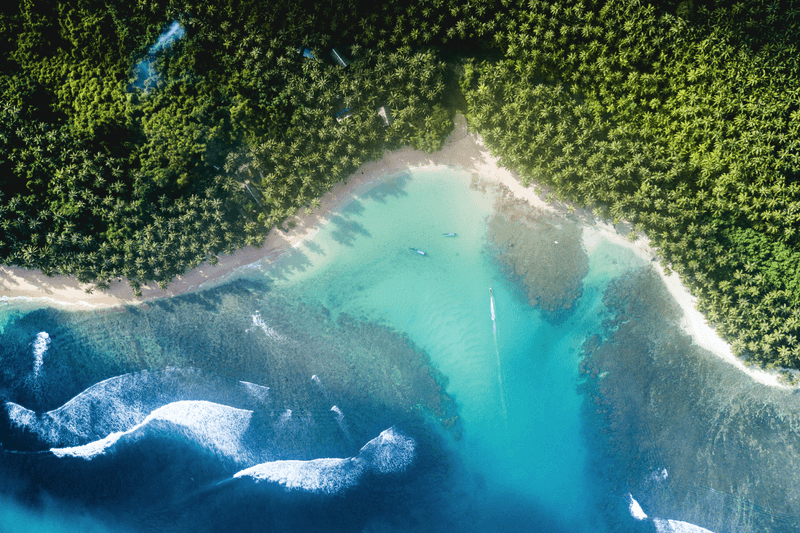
x: 463, y: 150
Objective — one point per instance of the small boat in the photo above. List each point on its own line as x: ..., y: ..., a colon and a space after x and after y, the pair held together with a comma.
x: 420, y: 252
x: 449, y: 234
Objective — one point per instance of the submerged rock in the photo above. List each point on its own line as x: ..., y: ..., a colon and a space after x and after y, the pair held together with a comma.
x: 542, y: 252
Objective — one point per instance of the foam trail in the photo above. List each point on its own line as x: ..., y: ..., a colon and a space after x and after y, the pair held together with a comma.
x: 271, y: 333
x: 497, y: 354
x: 341, y: 422
x: 119, y: 403
x: 635, y: 509
x: 217, y: 428
x: 40, y: 346
x: 391, y: 452
x: 676, y: 526
x: 658, y: 475
x: 321, y: 387
x: 259, y: 392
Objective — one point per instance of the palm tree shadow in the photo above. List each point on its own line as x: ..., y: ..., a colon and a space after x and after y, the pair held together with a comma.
x: 291, y: 261
x: 346, y: 231
x: 314, y: 248
x: 393, y: 188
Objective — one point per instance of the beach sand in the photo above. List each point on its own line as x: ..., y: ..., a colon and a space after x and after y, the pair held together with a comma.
x: 463, y: 150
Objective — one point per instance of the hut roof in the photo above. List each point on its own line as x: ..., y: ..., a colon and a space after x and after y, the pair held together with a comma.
x: 306, y: 52
x: 341, y: 60
x: 386, y: 114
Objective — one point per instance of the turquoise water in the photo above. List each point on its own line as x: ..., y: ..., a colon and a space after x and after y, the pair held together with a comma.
x: 522, y: 426
x: 461, y: 406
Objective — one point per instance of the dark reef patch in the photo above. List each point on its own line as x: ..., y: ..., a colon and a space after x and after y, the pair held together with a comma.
x: 691, y: 437
x: 242, y: 330
x: 541, y: 252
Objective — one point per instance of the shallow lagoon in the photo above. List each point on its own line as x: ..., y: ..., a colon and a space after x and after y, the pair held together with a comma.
x: 544, y: 417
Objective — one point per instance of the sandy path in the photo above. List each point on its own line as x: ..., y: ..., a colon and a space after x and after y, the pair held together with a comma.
x: 462, y: 150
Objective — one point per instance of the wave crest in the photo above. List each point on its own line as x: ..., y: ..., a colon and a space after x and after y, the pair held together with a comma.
x: 390, y: 452
x: 676, y: 526
x: 213, y: 427
x: 118, y: 404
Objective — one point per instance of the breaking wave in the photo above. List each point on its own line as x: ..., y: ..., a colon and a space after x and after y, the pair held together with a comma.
x: 662, y: 525
x: 118, y: 404
x: 676, y: 526
x: 233, y: 423
x: 390, y: 452
x: 635, y: 509
x: 215, y: 428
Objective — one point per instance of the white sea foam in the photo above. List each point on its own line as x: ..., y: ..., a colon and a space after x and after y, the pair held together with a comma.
x: 676, y: 526
x: 91, y: 450
x: 659, y: 475
x: 327, y: 476
x: 636, y: 510
x: 19, y: 416
x: 40, y: 346
x: 39, y: 299
x: 76, y: 422
x: 258, y: 321
x: 390, y: 452
x: 340, y: 421
x: 213, y: 427
x: 259, y: 392
x: 113, y: 405
x: 320, y: 386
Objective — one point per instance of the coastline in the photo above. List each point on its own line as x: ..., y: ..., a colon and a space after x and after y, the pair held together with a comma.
x: 462, y: 150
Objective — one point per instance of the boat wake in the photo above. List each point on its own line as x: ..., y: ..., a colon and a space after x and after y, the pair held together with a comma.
x: 497, y: 354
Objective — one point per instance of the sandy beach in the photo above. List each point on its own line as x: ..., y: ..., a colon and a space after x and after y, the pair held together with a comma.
x: 463, y: 150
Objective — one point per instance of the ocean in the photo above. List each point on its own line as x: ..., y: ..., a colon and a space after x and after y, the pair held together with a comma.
x: 438, y: 357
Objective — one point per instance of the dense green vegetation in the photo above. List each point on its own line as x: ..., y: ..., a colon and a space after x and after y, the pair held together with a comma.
x: 682, y: 117
x: 103, y: 176
x: 684, y: 121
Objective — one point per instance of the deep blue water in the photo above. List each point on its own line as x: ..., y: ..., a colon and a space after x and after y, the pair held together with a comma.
x: 507, y: 380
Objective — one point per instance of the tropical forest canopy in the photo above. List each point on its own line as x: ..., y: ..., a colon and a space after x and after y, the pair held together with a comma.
x: 133, y: 147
